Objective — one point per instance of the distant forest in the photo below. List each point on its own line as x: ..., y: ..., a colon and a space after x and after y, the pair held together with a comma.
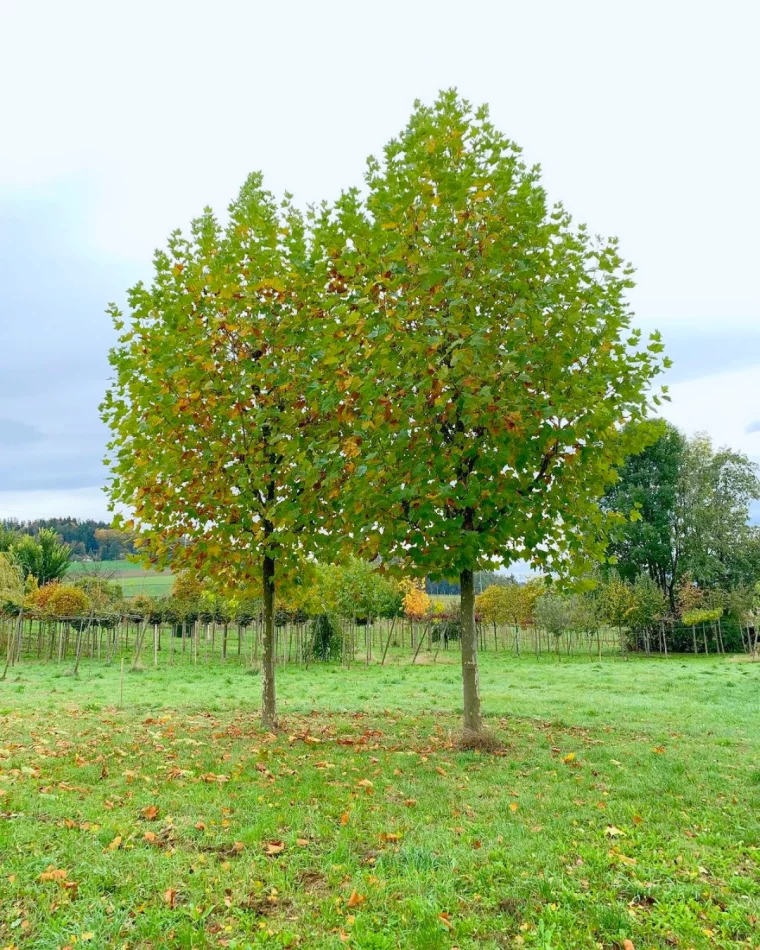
x: 95, y: 540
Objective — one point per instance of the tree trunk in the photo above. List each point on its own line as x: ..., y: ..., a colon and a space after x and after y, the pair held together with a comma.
x: 268, y: 696
x: 470, y: 679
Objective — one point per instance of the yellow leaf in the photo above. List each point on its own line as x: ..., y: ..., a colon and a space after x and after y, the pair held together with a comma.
x: 115, y: 844
x: 513, y: 806
x: 612, y: 832
x: 570, y: 757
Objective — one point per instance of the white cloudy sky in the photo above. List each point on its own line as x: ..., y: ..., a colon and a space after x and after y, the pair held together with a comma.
x: 120, y: 121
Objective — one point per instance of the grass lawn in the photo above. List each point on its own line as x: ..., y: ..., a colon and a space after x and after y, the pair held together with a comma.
x: 133, y: 578
x: 623, y: 807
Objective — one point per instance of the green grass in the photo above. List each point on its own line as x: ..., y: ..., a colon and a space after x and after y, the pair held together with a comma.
x: 637, y: 788
x: 133, y: 578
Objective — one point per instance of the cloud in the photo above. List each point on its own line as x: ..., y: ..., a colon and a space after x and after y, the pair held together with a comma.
x: 724, y: 406
x: 753, y: 427
x: 14, y: 433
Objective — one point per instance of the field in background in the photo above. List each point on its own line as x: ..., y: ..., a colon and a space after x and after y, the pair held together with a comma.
x: 133, y: 578
x: 622, y: 806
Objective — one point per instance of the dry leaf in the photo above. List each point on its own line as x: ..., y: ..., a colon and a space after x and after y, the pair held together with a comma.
x: 271, y: 848
x: 612, y: 832
x: 170, y: 897
x: 356, y: 899
x: 150, y: 813
x: 54, y: 874
x: 115, y: 844
x: 570, y: 757
x: 513, y: 806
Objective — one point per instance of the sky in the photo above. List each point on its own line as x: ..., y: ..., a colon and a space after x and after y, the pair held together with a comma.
x: 121, y: 121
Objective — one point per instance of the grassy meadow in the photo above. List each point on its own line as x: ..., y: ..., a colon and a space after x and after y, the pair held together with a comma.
x: 620, y: 809
x: 133, y: 578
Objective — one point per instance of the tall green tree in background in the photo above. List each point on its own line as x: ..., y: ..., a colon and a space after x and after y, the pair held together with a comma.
x: 648, y: 493
x: 686, y: 510
x: 484, y: 361
x: 43, y: 557
x: 207, y: 412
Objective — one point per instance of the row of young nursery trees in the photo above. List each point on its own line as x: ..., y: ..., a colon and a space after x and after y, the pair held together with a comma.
x: 435, y: 372
x: 330, y: 597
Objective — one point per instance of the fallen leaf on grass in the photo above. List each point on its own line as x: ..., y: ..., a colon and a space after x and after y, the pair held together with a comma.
x: 170, y: 897
x: 356, y: 899
x: 271, y: 848
x: 150, y: 837
x: 612, y: 832
x: 115, y: 844
x: 54, y: 874
x: 628, y: 945
x: 150, y: 813
x: 513, y: 806
x: 410, y: 802
x: 302, y: 842
x: 344, y: 818
x: 570, y: 757
x: 659, y: 749
x: 445, y: 920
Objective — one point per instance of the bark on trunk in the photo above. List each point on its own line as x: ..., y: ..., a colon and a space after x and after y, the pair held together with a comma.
x: 268, y: 696
x: 470, y: 679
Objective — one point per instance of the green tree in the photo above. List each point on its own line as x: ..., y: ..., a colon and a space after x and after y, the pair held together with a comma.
x: 647, y: 493
x: 43, y: 557
x: 209, y: 424
x: 483, y: 357
x: 716, y: 489
x: 11, y: 584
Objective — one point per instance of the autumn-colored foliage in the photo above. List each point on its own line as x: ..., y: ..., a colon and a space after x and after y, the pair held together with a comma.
x: 59, y: 600
x: 416, y: 602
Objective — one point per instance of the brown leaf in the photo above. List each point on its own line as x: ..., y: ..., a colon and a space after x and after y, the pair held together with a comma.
x: 356, y: 899
x: 271, y: 848
x: 54, y: 874
x: 170, y: 897
x: 115, y: 844
x: 150, y: 813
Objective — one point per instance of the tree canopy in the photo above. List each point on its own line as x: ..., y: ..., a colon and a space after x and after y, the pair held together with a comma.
x: 484, y: 360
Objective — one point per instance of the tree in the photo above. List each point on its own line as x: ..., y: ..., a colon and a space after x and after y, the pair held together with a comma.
x: 209, y: 423
x: 715, y: 495
x: 484, y: 361
x: 11, y: 584
x: 647, y: 492
x: 553, y: 613
x: 43, y: 557
x: 687, y: 511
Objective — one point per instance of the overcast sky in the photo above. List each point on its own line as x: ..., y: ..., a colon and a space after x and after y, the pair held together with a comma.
x: 120, y: 121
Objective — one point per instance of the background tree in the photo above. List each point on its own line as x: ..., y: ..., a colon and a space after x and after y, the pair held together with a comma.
x: 207, y: 411
x: 11, y: 584
x: 647, y: 493
x: 43, y: 557
x: 484, y: 361
x: 687, y: 511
